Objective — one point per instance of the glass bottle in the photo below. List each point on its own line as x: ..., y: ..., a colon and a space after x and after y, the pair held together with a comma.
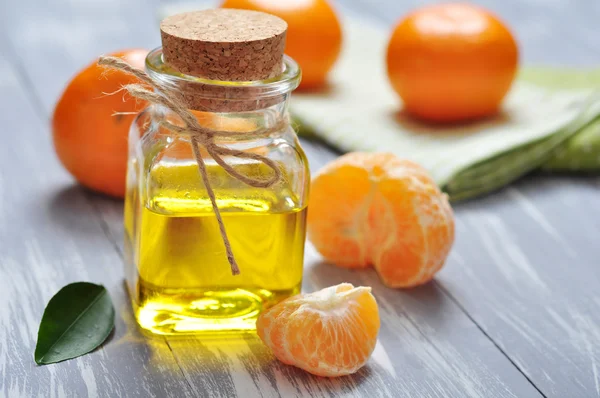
x: 177, y: 270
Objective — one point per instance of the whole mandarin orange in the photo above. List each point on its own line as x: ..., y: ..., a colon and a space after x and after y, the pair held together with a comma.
x: 451, y: 62
x: 314, y: 36
x: 374, y: 209
x: 89, y: 139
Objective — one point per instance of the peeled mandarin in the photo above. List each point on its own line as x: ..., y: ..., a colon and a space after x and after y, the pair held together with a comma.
x: 331, y: 332
x: 374, y: 209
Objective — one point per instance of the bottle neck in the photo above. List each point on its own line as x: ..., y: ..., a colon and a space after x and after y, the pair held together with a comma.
x: 224, y: 97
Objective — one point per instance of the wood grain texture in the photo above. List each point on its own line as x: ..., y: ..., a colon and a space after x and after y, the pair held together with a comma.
x: 50, y: 235
x: 427, y: 347
x: 529, y: 258
x: 513, y: 313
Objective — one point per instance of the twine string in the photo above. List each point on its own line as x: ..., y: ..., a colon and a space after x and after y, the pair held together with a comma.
x: 200, y: 135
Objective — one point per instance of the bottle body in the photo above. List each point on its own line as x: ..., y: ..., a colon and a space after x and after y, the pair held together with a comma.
x: 178, y: 274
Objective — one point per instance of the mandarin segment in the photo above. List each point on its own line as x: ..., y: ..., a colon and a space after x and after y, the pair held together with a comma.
x: 345, y: 208
x: 330, y: 333
x: 396, y: 219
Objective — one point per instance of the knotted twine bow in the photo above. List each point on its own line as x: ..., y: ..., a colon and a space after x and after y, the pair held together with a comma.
x: 200, y: 135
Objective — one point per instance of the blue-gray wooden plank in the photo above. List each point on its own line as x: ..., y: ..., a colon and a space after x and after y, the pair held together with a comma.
x: 50, y: 235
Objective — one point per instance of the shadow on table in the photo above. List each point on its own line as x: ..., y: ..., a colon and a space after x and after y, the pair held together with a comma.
x: 444, y: 131
x: 428, y: 300
x: 73, y: 206
x: 220, y: 361
x: 538, y: 186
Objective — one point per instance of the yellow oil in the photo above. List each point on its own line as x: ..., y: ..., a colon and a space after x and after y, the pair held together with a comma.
x: 180, y: 279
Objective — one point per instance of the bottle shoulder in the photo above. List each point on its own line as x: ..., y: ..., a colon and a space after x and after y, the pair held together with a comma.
x: 171, y: 181
x: 153, y: 143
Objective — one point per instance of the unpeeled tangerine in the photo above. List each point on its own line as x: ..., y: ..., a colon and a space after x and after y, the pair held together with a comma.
x: 374, y: 209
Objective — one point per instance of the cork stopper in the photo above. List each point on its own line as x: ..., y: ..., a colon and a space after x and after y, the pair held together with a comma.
x: 224, y: 44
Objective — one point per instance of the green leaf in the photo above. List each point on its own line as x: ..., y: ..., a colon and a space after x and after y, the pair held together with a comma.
x: 76, y: 321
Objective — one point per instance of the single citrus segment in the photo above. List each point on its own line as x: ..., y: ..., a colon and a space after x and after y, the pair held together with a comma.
x: 90, y: 128
x: 330, y: 333
x: 374, y: 209
x: 314, y: 36
x: 451, y: 62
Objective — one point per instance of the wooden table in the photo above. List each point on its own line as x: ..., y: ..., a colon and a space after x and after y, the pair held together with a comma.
x: 514, y: 313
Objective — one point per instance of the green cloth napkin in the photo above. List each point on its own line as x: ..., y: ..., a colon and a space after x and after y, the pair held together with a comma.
x: 581, y: 153
x: 549, y: 120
